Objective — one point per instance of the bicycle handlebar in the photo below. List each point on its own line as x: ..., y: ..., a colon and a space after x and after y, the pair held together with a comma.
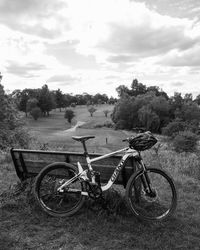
x: 139, y: 129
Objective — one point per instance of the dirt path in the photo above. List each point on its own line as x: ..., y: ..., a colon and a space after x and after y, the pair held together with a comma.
x: 79, y: 123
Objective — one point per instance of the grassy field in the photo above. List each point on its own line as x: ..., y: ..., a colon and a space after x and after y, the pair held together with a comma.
x: 25, y: 226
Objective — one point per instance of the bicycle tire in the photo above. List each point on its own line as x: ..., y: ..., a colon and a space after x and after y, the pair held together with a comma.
x: 167, y: 191
x: 48, y: 180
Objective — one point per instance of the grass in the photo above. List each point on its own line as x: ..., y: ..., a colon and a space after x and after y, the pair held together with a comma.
x: 25, y: 226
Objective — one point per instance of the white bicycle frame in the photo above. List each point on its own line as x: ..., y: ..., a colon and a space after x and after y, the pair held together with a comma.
x: 83, y: 173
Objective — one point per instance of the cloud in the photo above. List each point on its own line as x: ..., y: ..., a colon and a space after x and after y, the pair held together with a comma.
x: 189, y: 58
x: 33, y: 16
x: 66, y: 53
x: 64, y: 79
x: 24, y: 70
x: 144, y: 41
x: 179, y: 8
x: 177, y: 84
x: 121, y: 58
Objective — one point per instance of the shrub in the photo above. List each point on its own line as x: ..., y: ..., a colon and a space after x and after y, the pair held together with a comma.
x: 73, y: 105
x: 12, y: 132
x: 19, y: 137
x: 185, y: 141
x: 35, y: 113
x: 173, y: 128
x: 69, y: 115
x: 106, y: 124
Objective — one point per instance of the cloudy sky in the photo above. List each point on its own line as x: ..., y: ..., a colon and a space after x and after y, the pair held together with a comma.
x: 96, y: 45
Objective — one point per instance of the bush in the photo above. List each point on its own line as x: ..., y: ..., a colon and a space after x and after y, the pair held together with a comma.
x: 173, y: 128
x: 35, y: 113
x: 73, y: 105
x: 69, y: 115
x: 19, y: 137
x: 106, y: 124
x: 12, y: 132
x: 185, y: 141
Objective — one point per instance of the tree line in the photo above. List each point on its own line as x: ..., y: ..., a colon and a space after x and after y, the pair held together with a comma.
x: 43, y: 100
x: 151, y: 108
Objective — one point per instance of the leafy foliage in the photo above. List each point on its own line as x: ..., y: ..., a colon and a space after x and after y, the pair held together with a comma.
x: 31, y: 104
x: 185, y: 141
x: 151, y: 108
x: 35, y: 113
x: 106, y: 112
x: 69, y: 115
x: 173, y: 128
x: 91, y: 110
x: 148, y: 118
x: 11, y: 125
x: 59, y: 99
x: 46, y: 101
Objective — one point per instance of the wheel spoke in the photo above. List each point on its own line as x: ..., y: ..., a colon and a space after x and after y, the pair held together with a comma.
x: 155, y: 203
x: 59, y: 202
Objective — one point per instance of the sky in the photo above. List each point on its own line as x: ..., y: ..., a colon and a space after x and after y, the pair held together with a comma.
x: 93, y: 46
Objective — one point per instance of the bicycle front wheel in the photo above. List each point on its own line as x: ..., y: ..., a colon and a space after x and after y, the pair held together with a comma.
x: 46, y: 190
x: 158, y: 203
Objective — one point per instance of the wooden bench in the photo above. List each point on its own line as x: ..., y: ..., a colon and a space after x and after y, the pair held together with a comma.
x: 28, y: 163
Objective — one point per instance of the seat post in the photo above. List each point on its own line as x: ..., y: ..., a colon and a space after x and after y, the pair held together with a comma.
x: 85, y: 148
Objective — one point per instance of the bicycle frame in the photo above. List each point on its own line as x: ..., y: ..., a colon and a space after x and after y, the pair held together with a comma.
x: 83, y: 173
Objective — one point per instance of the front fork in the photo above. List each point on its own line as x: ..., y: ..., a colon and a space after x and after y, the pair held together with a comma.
x: 145, y: 179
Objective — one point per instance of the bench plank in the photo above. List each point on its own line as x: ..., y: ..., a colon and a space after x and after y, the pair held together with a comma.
x: 29, y: 163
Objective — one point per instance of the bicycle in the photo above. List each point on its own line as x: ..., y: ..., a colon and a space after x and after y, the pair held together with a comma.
x: 61, y: 188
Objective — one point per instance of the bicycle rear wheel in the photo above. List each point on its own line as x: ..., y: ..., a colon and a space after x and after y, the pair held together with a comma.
x: 159, y: 203
x: 52, y: 201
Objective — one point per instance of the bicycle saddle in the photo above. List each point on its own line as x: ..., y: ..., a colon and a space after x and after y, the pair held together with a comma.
x: 83, y: 138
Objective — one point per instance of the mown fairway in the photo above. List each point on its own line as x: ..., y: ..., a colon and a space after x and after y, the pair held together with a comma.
x: 25, y: 226
x: 56, y: 131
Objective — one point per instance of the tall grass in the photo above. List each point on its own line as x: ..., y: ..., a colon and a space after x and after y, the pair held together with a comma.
x: 178, y: 164
x: 25, y: 226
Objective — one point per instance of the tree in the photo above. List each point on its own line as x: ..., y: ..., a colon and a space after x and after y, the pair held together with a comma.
x: 31, y: 104
x: 12, y: 132
x: 161, y: 107
x: 137, y: 88
x: 23, y: 99
x: 157, y: 91
x: 149, y: 119
x: 46, y: 101
x: 188, y: 98
x: 91, y: 110
x: 190, y: 112
x: 125, y: 113
x: 176, y: 101
x: 106, y: 112
x: 197, y: 100
x: 60, y: 99
x: 112, y: 100
x: 100, y: 99
x: 122, y: 90
x: 69, y: 115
